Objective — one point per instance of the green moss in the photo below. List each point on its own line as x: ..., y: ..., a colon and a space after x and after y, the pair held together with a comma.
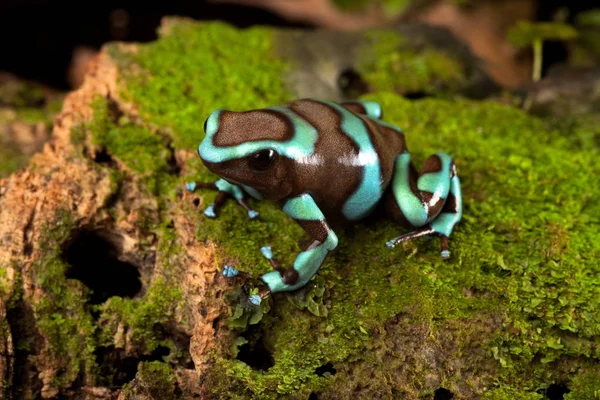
x: 508, y: 393
x: 61, y: 313
x: 585, y: 386
x: 142, y: 315
x: 179, y: 79
x: 141, y: 151
x: 155, y: 380
x: 388, y: 63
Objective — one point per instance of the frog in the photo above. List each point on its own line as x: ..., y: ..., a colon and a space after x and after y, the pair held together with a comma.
x: 326, y: 164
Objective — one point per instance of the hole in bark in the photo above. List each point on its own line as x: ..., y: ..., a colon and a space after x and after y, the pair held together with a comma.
x: 351, y: 84
x: 442, y: 394
x: 103, y: 157
x: 196, y: 202
x: 180, y: 340
x: 326, y: 369
x: 117, y: 368
x: 557, y: 391
x: 94, y: 261
x: 258, y: 357
x: 313, y: 396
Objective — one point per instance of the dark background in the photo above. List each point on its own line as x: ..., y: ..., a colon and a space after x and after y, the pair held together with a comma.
x: 38, y: 36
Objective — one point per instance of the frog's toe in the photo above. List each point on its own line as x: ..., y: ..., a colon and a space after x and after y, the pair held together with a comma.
x: 267, y: 252
x: 190, y: 186
x: 391, y: 243
x: 255, y: 300
x: 210, y: 211
x: 229, y: 271
x: 252, y: 214
x: 445, y: 254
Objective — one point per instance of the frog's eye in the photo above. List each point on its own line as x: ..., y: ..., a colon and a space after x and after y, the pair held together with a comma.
x: 262, y: 160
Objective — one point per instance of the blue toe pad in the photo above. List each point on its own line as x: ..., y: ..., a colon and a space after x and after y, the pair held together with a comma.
x: 445, y: 254
x: 267, y: 252
x: 255, y: 300
x: 210, y: 211
x: 229, y: 272
x: 252, y: 214
x: 190, y: 186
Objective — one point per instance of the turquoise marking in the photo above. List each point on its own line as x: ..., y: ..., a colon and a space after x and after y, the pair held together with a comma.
x: 437, y: 183
x: 369, y: 192
x: 301, y: 144
x: 233, y: 190
x: 303, y: 207
x: 307, y: 264
x: 410, y: 205
x: 373, y: 108
x: 252, y: 192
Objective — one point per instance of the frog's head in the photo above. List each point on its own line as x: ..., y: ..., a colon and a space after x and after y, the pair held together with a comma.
x: 248, y: 149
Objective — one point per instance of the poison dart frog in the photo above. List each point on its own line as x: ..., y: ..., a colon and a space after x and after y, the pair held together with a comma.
x: 326, y: 164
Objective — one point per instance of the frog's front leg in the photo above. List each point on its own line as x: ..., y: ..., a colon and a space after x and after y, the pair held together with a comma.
x: 226, y: 190
x: 305, y: 212
x: 431, y: 200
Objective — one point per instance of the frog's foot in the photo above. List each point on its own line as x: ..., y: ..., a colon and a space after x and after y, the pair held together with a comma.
x: 427, y: 231
x: 288, y: 276
x: 225, y: 190
x: 251, y: 213
x: 256, y: 299
x: 230, y: 272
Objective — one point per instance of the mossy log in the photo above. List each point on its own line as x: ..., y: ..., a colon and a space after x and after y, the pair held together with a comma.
x: 111, y: 274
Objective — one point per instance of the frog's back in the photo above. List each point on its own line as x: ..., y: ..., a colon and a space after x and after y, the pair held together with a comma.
x: 353, y: 158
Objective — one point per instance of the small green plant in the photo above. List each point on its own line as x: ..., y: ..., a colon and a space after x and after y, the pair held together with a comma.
x: 589, y: 18
x: 526, y: 33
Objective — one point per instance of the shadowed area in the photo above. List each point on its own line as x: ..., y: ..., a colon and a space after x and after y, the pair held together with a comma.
x: 94, y: 260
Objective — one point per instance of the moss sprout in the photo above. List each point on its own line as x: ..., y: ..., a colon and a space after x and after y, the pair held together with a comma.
x: 526, y: 33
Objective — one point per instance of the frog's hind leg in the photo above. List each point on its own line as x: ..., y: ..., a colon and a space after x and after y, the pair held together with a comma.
x: 226, y: 190
x: 430, y: 201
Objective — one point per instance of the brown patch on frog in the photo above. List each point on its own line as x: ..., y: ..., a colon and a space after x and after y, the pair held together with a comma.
x: 332, y: 146
x: 432, y: 165
x: 236, y: 128
x: 355, y: 107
